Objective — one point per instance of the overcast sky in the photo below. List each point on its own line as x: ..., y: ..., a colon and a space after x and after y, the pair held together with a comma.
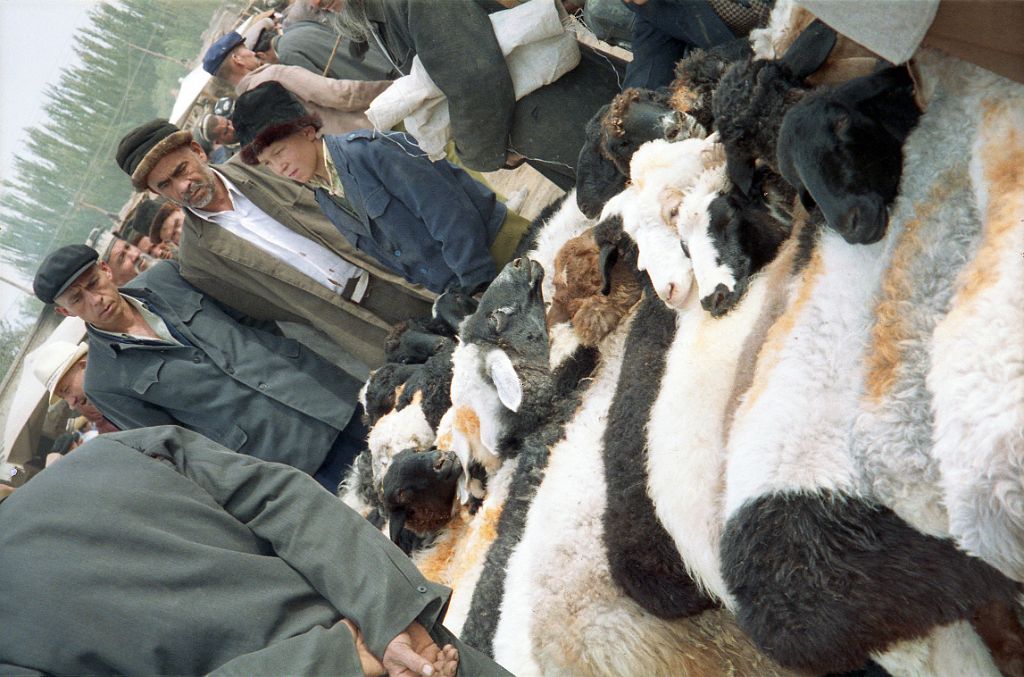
x: 35, y: 44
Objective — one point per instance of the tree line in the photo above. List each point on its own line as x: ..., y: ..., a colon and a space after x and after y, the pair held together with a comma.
x: 130, y: 58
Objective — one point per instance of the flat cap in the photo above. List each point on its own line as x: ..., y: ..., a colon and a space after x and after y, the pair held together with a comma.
x: 147, y: 144
x: 60, y: 268
x: 214, y: 56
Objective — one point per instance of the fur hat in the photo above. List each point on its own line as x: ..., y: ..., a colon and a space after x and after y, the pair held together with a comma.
x: 60, y: 269
x: 266, y: 114
x: 146, y: 145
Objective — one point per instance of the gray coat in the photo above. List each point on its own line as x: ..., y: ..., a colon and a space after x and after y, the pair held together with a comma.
x: 310, y: 44
x: 157, y: 552
x: 245, y: 388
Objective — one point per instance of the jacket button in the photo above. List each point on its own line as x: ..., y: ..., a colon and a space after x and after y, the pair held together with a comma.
x: 398, y: 252
x: 229, y: 370
x: 263, y: 386
x: 197, y: 359
x: 421, y: 588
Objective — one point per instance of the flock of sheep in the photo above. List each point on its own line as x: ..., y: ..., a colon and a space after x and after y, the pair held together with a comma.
x: 752, y: 400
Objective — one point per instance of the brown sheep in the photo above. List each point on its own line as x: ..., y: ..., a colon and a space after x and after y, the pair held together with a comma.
x: 578, y: 296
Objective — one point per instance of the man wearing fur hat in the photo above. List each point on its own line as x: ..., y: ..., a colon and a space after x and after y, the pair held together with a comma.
x: 259, y: 243
x: 162, y: 353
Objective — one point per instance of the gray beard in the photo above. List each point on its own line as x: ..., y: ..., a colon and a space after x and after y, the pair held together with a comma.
x: 351, y: 22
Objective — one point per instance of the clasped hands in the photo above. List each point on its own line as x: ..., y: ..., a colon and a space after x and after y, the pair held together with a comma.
x: 411, y: 653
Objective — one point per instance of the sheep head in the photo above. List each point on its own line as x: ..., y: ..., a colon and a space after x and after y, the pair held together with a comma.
x: 594, y: 287
x: 501, y: 361
x: 419, y: 491
x: 842, y: 149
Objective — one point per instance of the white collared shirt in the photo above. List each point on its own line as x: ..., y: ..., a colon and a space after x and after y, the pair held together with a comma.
x: 309, y: 257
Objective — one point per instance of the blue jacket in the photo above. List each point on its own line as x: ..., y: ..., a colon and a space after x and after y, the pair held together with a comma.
x: 245, y: 388
x: 430, y: 222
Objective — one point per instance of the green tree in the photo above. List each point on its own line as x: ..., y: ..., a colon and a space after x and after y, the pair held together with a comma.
x: 68, y: 162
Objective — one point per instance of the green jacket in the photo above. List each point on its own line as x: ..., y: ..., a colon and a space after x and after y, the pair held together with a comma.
x: 156, y: 551
x: 240, y: 275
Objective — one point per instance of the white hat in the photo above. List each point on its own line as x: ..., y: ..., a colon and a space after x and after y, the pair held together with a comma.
x: 50, y: 361
x: 252, y: 36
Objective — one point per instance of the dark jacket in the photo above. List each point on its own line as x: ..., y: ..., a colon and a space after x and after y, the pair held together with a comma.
x: 310, y: 44
x: 158, y: 552
x: 455, y: 41
x: 430, y: 222
x: 243, y: 387
x: 241, y: 275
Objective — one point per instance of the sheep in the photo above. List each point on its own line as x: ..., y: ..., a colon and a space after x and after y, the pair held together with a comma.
x: 663, y: 173
x: 977, y: 370
x: 615, y: 132
x: 732, y: 236
x: 502, y: 360
x: 697, y: 77
x: 830, y: 301
x: 419, y: 490
x: 841, y: 149
x: 579, y: 281
x: 860, y: 502
x: 580, y: 622
x: 846, y: 60
x: 753, y: 96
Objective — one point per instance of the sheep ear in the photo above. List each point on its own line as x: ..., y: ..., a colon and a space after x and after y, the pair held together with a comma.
x: 607, y: 257
x: 505, y: 379
x: 806, y: 200
x: 740, y: 169
x: 810, y: 49
x: 396, y: 522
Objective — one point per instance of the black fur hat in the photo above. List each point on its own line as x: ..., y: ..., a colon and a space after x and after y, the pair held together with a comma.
x: 265, y: 114
x: 146, y: 145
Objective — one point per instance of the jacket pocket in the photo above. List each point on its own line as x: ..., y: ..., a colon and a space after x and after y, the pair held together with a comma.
x: 232, y: 437
x: 377, y: 202
x: 189, y: 303
x: 147, y: 376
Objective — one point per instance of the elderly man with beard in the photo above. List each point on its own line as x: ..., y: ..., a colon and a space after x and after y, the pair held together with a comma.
x: 260, y: 244
x: 163, y: 353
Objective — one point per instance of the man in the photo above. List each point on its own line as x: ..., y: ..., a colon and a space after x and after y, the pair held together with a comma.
x: 163, y: 353
x: 307, y: 44
x: 157, y: 551
x: 60, y: 367
x: 124, y: 259
x: 219, y: 132
x: 430, y: 222
x: 260, y: 244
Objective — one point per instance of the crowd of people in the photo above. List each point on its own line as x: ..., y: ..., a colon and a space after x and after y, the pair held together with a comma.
x: 193, y: 533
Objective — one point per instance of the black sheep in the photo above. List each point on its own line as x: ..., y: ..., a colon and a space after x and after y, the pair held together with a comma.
x: 633, y: 118
x: 842, y: 149
x: 754, y: 95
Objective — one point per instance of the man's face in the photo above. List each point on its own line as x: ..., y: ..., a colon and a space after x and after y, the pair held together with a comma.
x: 245, y: 59
x: 223, y: 130
x: 71, y: 389
x: 170, y: 229
x: 293, y: 157
x: 183, y: 177
x: 94, y: 298
x: 123, y: 261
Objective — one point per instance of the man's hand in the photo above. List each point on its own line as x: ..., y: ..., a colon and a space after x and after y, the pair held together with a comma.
x: 371, y: 666
x: 413, y: 653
